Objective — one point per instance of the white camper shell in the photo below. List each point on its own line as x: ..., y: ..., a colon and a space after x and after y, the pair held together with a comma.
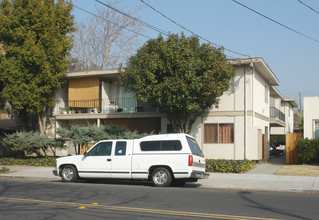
x: 165, y: 159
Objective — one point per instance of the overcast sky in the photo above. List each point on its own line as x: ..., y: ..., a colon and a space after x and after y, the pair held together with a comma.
x: 291, y: 48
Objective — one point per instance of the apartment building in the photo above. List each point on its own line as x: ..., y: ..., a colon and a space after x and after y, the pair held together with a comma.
x: 238, y: 129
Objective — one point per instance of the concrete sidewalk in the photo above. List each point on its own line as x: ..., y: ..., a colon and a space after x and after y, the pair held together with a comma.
x: 260, y: 178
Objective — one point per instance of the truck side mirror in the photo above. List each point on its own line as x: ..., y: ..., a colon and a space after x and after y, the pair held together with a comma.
x: 86, y: 154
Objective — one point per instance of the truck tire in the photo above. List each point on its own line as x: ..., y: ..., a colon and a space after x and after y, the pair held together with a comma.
x: 69, y: 173
x: 161, y: 177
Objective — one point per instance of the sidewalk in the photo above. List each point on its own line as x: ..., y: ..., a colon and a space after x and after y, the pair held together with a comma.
x: 260, y: 178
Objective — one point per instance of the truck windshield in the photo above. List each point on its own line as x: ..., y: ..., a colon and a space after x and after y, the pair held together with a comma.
x: 194, y: 147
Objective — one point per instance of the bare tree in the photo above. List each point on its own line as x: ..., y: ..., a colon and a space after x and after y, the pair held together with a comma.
x: 104, y: 41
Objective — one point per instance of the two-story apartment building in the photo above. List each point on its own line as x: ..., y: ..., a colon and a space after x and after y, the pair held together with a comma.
x: 239, y: 128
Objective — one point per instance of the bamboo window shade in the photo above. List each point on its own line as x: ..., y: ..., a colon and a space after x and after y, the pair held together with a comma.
x: 84, y: 92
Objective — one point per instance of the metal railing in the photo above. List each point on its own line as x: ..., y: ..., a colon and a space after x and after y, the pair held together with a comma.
x: 276, y: 113
x: 106, y: 106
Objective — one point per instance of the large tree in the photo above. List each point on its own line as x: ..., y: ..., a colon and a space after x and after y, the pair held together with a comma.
x: 2, y: 52
x: 180, y: 76
x: 36, y: 35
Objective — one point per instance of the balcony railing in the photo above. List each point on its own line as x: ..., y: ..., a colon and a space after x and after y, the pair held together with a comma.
x: 106, y: 106
x: 276, y: 113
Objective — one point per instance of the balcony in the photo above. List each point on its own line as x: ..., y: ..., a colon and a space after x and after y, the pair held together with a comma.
x: 96, y: 106
x: 277, y: 117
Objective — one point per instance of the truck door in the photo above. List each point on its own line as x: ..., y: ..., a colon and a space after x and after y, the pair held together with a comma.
x: 121, y: 159
x: 98, y: 162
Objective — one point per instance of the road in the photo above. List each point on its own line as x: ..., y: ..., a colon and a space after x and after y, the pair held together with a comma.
x: 39, y: 199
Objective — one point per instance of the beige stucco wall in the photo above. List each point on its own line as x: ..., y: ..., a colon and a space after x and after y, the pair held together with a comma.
x: 311, y: 112
x: 289, y: 117
x: 261, y: 88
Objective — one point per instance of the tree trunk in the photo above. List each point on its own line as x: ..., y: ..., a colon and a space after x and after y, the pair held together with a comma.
x: 40, y: 124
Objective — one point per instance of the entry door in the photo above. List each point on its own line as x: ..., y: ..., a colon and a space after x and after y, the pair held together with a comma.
x: 98, y: 162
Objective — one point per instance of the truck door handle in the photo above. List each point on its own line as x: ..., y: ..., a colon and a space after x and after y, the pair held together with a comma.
x: 108, y: 159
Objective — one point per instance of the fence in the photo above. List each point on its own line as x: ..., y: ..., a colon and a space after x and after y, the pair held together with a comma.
x: 84, y: 148
x: 110, y: 105
x: 291, y: 153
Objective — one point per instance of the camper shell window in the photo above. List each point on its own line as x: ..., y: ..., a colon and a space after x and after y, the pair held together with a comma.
x: 174, y: 145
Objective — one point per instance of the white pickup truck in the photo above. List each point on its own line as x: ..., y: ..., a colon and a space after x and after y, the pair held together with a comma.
x: 165, y: 159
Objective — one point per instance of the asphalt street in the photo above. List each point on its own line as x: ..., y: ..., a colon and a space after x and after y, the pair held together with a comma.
x: 43, y: 199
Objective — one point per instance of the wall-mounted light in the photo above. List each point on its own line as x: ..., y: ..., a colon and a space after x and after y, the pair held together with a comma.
x: 251, y: 66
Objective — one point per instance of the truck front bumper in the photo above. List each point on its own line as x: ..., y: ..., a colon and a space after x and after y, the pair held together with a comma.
x: 55, y: 172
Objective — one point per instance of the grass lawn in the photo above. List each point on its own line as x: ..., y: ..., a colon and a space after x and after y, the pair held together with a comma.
x: 299, y: 170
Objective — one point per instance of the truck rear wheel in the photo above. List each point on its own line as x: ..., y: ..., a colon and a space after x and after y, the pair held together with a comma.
x: 69, y: 173
x: 161, y: 177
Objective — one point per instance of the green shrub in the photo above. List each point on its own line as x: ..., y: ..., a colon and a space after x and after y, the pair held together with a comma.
x: 28, y: 161
x: 4, y: 170
x: 29, y: 143
x: 316, y: 147
x: 228, y: 166
x: 307, y: 150
x: 92, y: 133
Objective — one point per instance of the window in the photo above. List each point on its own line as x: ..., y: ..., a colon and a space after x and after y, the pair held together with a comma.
x: 161, y: 146
x: 101, y: 149
x: 120, y: 148
x: 194, y: 147
x: 219, y: 133
x: 316, y: 129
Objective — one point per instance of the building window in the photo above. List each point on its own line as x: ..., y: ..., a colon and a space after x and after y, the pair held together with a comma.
x: 316, y: 129
x: 219, y: 133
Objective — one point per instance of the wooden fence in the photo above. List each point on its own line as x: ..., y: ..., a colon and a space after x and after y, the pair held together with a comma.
x: 84, y: 148
x: 291, y: 153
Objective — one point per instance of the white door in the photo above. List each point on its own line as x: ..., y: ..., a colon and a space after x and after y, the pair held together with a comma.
x: 98, y: 162
x: 121, y: 160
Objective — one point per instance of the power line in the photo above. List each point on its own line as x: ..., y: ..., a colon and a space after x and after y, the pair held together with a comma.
x: 275, y: 21
x: 232, y: 51
x: 308, y: 6
x: 135, y: 19
x: 75, y: 6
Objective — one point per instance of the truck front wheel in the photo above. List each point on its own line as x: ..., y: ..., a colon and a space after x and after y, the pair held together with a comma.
x: 69, y: 173
x: 162, y: 177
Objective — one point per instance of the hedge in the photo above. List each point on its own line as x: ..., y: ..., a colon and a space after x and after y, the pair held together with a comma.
x: 229, y: 166
x: 219, y: 166
x: 308, y: 150
x: 29, y: 161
